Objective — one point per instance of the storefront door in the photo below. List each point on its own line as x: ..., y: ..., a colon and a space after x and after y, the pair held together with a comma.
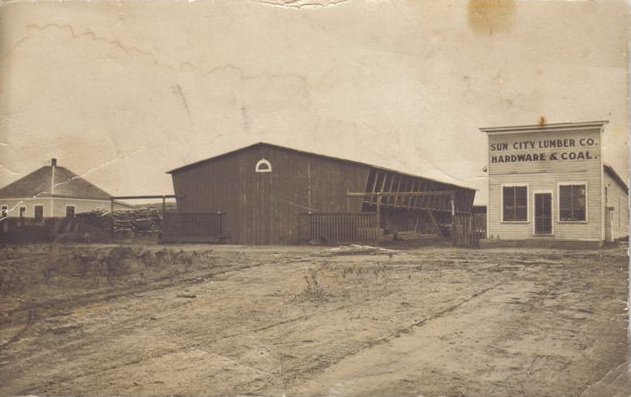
x: 543, y: 213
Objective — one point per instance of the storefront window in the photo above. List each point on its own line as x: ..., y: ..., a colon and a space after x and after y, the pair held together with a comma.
x: 515, y: 200
x: 572, y: 203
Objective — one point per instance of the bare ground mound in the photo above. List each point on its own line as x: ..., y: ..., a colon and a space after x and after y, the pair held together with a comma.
x: 309, y: 321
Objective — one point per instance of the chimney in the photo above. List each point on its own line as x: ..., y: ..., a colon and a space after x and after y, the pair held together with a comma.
x: 53, y: 162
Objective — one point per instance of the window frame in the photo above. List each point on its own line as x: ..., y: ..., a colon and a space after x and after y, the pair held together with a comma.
x: 74, y: 210
x: 263, y: 162
x: 534, y: 212
x: 35, y: 212
x: 525, y: 221
x: 577, y: 183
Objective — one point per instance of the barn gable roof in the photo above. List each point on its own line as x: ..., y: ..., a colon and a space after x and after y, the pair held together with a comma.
x: 53, y: 181
x: 265, y: 144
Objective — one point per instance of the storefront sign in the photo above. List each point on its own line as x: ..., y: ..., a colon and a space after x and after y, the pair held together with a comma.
x: 541, y: 150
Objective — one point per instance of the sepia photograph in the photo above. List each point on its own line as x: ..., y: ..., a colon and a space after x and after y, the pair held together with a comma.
x: 305, y: 198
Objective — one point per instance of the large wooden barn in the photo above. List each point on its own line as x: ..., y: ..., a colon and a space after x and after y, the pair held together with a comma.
x: 264, y: 192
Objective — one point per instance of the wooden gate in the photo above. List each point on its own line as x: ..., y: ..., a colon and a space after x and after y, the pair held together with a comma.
x: 338, y: 227
x: 192, y: 228
x: 466, y: 232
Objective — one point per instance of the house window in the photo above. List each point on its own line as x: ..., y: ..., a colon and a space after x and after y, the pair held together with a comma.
x: 263, y: 166
x: 572, y: 203
x: 515, y: 203
x: 38, y: 213
x: 22, y: 213
x: 5, y: 208
x: 70, y: 211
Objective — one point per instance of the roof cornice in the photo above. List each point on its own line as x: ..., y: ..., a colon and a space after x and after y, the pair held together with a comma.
x: 556, y: 127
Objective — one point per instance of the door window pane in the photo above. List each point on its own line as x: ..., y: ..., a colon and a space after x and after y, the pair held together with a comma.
x: 543, y: 213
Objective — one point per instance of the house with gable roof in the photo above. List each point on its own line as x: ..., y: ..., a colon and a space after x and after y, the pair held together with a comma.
x: 51, y: 191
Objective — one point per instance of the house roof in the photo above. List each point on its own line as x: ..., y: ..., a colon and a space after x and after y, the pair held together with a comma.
x: 53, y: 181
x: 265, y: 144
x: 617, y: 178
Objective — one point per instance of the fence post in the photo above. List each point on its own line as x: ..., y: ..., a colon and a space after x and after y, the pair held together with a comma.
x: 309, y: 226
x: 219, y: 221
x: 453, y: 219
x: 379, y: 197
x: 112, y: 217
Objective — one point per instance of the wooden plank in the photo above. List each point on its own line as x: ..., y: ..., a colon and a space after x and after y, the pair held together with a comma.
x: 409, y: 187
x: 435, y: 223
x: 343, y: 227
x: 372, y: 186
x: 390, y: 185
x: 447, y: 193
x: 416, y: 187
x: 395, y: 202
x: 191, y: 227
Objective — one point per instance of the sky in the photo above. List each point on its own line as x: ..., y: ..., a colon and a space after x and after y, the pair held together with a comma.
x: 121, y: 92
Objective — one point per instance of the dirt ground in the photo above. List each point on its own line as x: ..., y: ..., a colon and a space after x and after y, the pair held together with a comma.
x: 309, y: 321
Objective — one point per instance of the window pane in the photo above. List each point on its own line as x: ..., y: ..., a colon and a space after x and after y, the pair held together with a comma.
x: 515, y: 203
x: 509, y: 203
x: 38, y: 212
x: 521, y: 214
x: 521, y: 202
x: 572, y: 203
x: 579, y: 202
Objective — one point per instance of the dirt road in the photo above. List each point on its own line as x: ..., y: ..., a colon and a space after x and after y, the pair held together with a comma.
x: 309, y: 321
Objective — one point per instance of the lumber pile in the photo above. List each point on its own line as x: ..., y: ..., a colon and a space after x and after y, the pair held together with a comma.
x: 136, y: 221
x: 98, y: 219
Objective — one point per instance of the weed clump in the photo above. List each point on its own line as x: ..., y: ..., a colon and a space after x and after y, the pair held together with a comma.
x: 313, y: 291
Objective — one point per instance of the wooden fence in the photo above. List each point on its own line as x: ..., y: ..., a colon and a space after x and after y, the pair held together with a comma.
x: 466, y: 231
x: 192, y: 228
x: 29, y: 230
x: 339, y: 227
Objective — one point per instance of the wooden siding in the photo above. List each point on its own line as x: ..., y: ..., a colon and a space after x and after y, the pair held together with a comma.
x: 202, y: 228
x: 53, y: 207
x: 465, y: 232
x: 546, y: 176
x: 339, y: 227
x: 264, y: 208
x: 617, y: 198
